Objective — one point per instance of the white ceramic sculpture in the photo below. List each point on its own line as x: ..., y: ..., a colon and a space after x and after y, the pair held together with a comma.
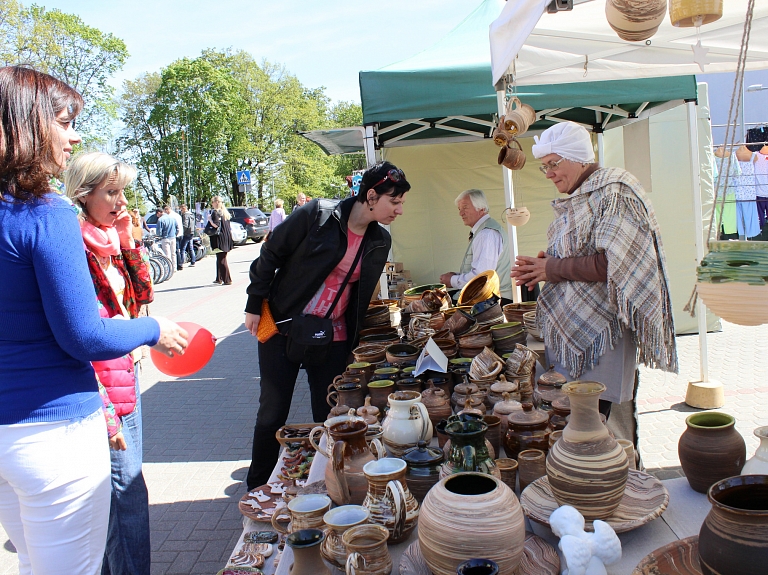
x: 584, y: 553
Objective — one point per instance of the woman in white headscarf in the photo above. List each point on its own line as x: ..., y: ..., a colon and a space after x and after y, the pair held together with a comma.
x: 605, y: 305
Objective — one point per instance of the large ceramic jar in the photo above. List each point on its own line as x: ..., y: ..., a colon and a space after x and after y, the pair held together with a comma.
x: 526, y: 429
x: 471, y: 515
x: 758, y: 465
x: 587, y: 468
x: 423, y: 468
x: 734, y: 536
x: 390, y: 502
x: 407, y: 422
x: 710, y: 449
x: 468, y: 449
x: 344, y: 475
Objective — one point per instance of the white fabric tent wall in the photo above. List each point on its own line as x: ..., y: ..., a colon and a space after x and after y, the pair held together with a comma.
x: 430, y: 239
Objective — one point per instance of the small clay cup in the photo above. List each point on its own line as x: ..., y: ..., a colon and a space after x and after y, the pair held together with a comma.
x: 531, y: 466
x: 508, y: 469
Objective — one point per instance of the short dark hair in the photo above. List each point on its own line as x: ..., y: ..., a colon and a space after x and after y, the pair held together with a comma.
x: 29, y: 103
x: 166, y: 207
x: 372, y: 180
x: 158, y: 210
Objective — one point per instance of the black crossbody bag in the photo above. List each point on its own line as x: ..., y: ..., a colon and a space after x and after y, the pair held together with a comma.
x: 310, y: 336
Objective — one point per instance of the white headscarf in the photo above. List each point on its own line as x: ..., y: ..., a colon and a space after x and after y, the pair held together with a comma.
x: 566, y: 139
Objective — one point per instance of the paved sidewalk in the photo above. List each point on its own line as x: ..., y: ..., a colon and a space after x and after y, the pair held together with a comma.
x: 197, y: 431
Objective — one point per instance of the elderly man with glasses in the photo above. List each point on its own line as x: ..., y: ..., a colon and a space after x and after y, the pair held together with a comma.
x: 606, y: 304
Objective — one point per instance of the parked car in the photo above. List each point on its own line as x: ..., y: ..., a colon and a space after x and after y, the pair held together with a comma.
x: 239, y: 235
x: 253, y: 220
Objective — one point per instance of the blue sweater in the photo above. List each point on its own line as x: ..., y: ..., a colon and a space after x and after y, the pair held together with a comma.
x: 50, y: 327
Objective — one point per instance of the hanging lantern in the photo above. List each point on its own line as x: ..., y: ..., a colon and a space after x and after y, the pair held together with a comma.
x: 690, y: 13
x: 635, y: 20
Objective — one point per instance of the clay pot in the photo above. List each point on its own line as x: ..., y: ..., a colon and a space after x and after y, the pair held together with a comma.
x: 468, y: 451
x: 531, y: 465
x: 478, y: 567
x: 369, y: 413
x: 499, y: 388
x: 461, y: 391
x: 517, y: 216
x: 423, y: 468
x: 367, y: 548
x: 346, y: 393
x: 437, y: 403
x: 494, y: 431
x: 338, y: 521
x: 379, y: 391
x: 587, y: 468
x: 526, y: 429
x: 710, y: 449
x: 303, y: 512
x: 508, y: 470
x: 407, y: 422
x: 635, y: 20
x: 472, y: 405
x: 734, y: 536
x: 758, y: 465
x: 400, y: 352
x: 409, y: 384
x: 503, y: 408
x: 389, y: 500
x: 390, y: 372
x: 306, y: 552
x: 362, y: 369
x: 561, y: 409
x: 471, y: 514
x: 344, y: 475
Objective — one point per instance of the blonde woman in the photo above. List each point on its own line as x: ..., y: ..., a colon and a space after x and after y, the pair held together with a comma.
x: 221, y: 243
x: 277, y: 216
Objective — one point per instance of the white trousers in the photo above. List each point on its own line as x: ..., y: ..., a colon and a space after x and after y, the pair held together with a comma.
x: 55, y: 494
x: 168, y: 245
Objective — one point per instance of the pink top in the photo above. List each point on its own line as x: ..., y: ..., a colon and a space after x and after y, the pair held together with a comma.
x: 324, y: 297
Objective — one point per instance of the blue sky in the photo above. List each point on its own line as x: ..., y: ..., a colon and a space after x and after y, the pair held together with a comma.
x: 323, y: 43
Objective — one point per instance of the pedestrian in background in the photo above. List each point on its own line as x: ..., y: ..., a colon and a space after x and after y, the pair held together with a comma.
x: 96, y: 183
x: 301, y: 199
x: 137, y: 230
x: 188, y: 233
x: 166, y: 230
x: 221, y: 243
x: 179, y: 235
x: 276, y: 217
x: 54, y: 457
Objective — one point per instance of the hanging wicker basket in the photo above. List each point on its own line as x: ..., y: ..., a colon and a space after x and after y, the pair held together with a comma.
x: 733, y: 281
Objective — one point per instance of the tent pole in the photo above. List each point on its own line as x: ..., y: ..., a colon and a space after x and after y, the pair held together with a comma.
x: 369, y: 145
x: 600, y: 150
x: 705, y: 393
x: 509, y: 197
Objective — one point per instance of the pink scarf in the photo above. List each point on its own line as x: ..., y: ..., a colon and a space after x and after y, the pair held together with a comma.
x: 104, y: 242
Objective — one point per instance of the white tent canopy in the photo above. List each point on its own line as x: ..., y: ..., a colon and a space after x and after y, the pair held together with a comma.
x: 540, y: 49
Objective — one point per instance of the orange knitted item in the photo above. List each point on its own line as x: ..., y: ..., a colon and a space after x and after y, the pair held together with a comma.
x: 267, y: 327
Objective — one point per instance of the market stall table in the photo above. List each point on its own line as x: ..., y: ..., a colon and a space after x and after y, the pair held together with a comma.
x: 683, y: 518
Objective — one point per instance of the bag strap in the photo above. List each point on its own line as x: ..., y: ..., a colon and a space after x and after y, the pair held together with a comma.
x: 346, y: 279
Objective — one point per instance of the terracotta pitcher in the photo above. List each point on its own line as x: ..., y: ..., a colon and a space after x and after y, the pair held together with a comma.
x: 407, y: 422
x: 468, y: 450
x: 389, y: 500
x: 344, y: 475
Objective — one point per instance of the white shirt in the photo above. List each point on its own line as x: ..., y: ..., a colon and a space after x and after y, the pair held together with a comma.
x: 179, y: 225
x: 486, y: 249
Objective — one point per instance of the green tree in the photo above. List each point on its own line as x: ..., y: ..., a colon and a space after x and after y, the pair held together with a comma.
x: 64, y: 46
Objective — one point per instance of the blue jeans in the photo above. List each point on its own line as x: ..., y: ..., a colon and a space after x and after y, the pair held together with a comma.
x: 128, y: 548
x: 186, y: 243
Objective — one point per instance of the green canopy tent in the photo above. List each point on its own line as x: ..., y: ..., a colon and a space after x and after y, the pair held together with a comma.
x: 445, y: 95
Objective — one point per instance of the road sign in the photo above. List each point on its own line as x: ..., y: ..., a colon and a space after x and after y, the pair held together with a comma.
x: 244, y: 177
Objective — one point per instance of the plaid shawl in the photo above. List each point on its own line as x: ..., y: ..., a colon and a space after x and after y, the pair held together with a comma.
x: 581, y: 321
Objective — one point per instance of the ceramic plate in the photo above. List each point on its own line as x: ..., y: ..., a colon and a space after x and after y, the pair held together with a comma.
x: 240, y: 571
x: 677, y: 558
x: 539, y: 558
x: 645, y: 499
x: 265, y: 513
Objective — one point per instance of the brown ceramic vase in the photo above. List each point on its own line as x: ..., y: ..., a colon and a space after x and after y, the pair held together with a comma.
x: 344, y: 475
x: 471, y: 515
x: 734, y: 536
x: 306, y: 552
x: 587, y: 468
x: 710, y: 449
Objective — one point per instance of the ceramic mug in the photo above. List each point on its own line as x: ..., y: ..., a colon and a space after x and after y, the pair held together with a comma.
x: 338, y: 521
x: 303, y: 512
x: 348, y: 393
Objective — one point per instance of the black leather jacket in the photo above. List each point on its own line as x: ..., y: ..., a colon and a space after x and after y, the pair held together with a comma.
x: 303, y: 251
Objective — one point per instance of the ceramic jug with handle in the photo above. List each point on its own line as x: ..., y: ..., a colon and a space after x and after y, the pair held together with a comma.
x: 407, y: 422
x: 344, y: 475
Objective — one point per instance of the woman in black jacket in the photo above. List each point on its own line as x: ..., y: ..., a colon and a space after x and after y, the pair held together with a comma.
x: 222, y: 241
x: 299, y: 272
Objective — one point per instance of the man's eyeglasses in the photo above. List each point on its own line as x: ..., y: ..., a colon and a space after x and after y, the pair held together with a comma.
x: 394, y: 175
x: 550, y: 167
